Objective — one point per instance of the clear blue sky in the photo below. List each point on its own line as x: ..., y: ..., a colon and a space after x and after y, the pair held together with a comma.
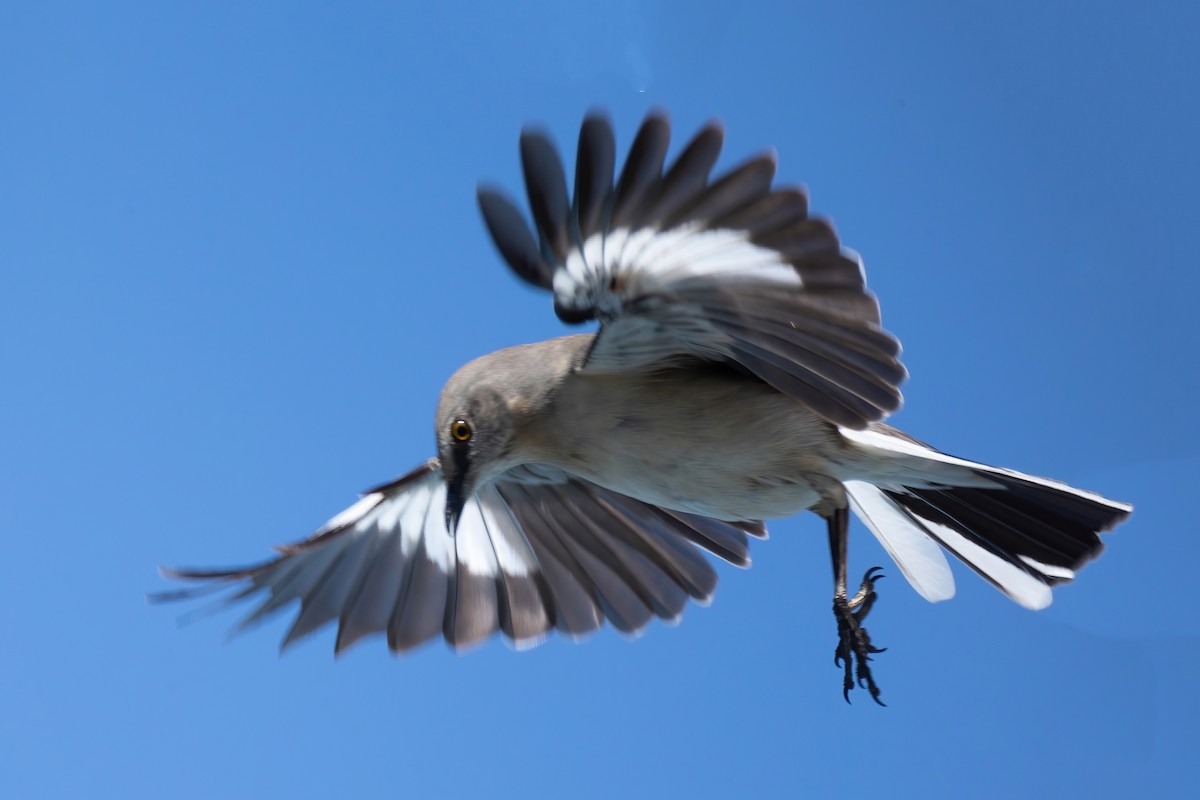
x: 239, y: 254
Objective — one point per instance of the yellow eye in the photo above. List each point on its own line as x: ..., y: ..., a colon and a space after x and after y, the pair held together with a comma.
x: 460, y: 430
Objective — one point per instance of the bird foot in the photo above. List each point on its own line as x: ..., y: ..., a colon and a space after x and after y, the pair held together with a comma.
x: 854, y: 649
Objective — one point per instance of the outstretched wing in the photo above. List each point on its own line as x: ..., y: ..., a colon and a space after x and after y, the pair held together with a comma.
x: 531, y: 553
x: 673, y: 264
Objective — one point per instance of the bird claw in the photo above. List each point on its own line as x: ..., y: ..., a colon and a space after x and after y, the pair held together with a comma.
x: 854, y: 649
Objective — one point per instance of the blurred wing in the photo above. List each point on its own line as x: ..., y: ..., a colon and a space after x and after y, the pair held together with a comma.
x: 534, y: 552
x: 675, y: 265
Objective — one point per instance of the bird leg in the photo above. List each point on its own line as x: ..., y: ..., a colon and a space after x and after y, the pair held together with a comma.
x: 854, y: 647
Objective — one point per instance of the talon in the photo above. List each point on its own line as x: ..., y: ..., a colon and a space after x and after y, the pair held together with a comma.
x: 854, y: 650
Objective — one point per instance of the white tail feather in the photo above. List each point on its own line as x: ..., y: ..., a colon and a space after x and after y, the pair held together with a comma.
x: 1023, y: 588
x: 919, y: 557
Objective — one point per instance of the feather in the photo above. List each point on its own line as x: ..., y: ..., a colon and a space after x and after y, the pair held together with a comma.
x: 547, y: 189
x: 593, y: 174
x: 511, y: 235
x: 643, y: 168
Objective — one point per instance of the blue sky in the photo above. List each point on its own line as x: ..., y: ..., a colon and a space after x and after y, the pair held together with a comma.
x: 239, y: 254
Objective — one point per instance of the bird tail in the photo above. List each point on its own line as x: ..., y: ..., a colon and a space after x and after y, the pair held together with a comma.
x: 1021, y: 533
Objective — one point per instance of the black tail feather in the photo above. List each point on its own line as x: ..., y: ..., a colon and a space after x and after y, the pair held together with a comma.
x: 1021, y: 521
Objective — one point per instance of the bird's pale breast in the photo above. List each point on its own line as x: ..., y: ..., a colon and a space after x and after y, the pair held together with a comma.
x: 709, y: 442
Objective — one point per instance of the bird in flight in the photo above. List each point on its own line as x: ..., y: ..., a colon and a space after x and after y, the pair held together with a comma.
x: 740, y: 373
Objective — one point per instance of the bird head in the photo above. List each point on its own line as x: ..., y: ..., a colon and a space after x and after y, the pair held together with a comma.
x: 490, y: 417
x: 475, y: 438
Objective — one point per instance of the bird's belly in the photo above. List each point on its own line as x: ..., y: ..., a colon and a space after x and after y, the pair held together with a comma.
x: 723, y: 495
x: 719, y: 446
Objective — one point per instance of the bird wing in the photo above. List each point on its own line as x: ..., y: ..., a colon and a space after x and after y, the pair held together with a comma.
x: 675, y: 265
x: 533, y: 551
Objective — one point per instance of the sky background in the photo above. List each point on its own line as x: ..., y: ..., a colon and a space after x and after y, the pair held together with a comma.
x: 239, y: 255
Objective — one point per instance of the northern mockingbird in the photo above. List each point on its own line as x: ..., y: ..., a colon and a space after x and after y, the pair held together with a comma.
x: 740, y: 373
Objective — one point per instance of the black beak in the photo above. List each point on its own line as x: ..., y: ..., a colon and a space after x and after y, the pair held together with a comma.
x: 456, y: 498
x: 454, y: 504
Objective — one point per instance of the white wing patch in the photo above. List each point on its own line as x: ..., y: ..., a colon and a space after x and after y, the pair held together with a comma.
x: 472, y: 542
x: 512, y: 551
x: 352, y: 514
x: 610, y: 270
x: 439, y: 546
x: 412, y: 521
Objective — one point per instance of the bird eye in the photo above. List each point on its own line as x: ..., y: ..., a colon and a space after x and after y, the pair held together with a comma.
x: 460, y: 430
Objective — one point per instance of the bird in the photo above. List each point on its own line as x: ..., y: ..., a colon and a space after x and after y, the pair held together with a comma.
x: 740, y: 373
